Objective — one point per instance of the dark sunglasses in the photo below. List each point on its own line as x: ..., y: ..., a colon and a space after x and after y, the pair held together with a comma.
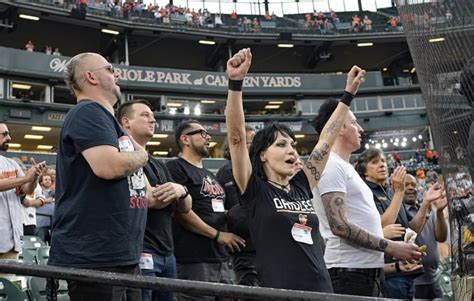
x: 203, y: 133
x: 109, y: 67
x: 6, y: 133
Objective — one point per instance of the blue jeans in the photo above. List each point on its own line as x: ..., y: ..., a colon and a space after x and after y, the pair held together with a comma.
x: 163, y: 266
x: 399, y: 287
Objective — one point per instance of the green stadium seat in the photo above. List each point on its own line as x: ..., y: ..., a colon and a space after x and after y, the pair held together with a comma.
x: 42, y: 255
x: 29, y: 246
x: 37, y: 288
x: 9, y: 291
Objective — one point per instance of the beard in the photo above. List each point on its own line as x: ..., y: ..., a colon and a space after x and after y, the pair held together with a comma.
x: 4, y: 146
x: 201, y: 150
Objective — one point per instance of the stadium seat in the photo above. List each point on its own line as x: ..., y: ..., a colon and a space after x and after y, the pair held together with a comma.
x: 8, y: 291
x: 37, y: 287
x: 42, y: 255
x: 29, y: 246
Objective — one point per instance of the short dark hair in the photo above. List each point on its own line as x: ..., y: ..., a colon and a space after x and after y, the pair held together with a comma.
x: 125, y: 109
x: 364, y: 158
x: 324, y: 113
x: 264, y: 139
x: 179, y: 131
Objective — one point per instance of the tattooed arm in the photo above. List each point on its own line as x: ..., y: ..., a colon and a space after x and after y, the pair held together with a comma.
x: 318, y: 158
x: 335, y: 208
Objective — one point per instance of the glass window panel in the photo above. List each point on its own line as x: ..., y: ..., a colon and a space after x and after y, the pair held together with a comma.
x: 361, y: 104
x: 63, y: 95
x: 386, y: 103
x: 306, y: 107
x: 398, y: 102
x: 26, y: 91
x: 351, y: 5
x: 276, y: 8
x: 290, y: 8
x: 372, y: 104
x: 419, y: 101
x: 227, y: 7
x: 322, y: 5
x: 305, y: 7
x: 2, y: 95
x: 410, y: 101
x: 336, y: 5
x: 383, y: 3
x: 369, y: 5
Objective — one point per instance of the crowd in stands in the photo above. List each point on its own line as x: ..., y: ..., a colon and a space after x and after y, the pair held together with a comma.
x: 29, y: 46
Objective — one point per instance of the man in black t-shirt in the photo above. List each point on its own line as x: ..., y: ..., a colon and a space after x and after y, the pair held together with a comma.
x: 238, y: 218
x: 157, y: 258
x: 200, y: 235
x: 101, y: 200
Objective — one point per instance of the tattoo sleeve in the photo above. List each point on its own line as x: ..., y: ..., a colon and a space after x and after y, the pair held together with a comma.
x: 335, y: 208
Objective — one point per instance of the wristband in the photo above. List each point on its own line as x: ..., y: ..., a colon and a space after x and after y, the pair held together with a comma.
x: 397, y: 266
x: 217, y: 235
x: 186, y: 194
x: 347, y: 98
x: 235, y: 85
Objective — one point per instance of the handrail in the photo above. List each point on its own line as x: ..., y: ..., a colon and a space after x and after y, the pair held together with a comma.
x: 165, y: 284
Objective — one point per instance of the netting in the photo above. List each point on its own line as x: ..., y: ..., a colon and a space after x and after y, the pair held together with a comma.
x: 440, y: 35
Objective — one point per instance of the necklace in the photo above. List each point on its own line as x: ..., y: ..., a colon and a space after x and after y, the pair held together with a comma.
x: 281, y: 186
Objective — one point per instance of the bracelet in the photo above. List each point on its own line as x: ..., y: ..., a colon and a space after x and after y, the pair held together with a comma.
x: 217, y: 235
x: 186, y: 194
x: 397, y: 266
x: 347, y: 98
x: 235, y: 85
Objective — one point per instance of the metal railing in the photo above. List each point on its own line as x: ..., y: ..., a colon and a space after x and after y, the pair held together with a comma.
x: 164, y: 284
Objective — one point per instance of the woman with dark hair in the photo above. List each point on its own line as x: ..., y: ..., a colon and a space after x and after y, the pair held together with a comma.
x: 283, y: 222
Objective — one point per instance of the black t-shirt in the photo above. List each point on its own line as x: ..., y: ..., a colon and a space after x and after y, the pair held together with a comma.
x: 283, y: 262
x: 238, y: 216
x: 206, y: 193
x: 97, y: 222
x: 158, y: 231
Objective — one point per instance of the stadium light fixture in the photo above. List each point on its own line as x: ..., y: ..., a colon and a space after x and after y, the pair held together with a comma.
x: 434, y: 40
x: 44, y: 147
x: 365, y: 44
x: 33, y: 137
x: 29, y: 17
x: 207, y: 42
x: 279, y: 102
x: 153, y: 143
x: 14, y: 145
x: 208, y: 101
x: 110, y: 31
x: 21, y: 86
x: 174, y: 104
x: 40, y: 128
x: 160, y: 136
x: 299, y: 136
x: 413, y: 70
x: 272, y: 107
x: 285, y: 45
x: 160, y: 153
x: 385, y: 69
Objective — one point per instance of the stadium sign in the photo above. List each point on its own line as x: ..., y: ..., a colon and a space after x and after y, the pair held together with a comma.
x: 40, y: 65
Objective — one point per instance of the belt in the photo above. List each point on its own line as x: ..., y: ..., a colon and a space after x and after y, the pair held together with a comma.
x: 375, y: 271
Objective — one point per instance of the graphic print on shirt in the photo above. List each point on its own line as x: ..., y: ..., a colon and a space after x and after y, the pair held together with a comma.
x: 136, y: 181
x: 212, y: 189
x: 299, y: 205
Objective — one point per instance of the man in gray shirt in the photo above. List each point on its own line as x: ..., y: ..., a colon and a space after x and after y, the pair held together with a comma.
x: 435, y: 230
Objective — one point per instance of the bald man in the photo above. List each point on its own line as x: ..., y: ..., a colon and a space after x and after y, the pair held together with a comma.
x: 101, y: 200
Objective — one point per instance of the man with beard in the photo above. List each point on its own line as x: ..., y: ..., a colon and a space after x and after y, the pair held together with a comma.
x: 101, y: 200
x: 157, y: 258
x: 13, y: 182
x: 200, y: 237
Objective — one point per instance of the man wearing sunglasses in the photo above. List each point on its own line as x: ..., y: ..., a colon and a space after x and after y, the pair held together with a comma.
x: 101, y: 194
x: 13, y: 182
x: 200, y: 235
